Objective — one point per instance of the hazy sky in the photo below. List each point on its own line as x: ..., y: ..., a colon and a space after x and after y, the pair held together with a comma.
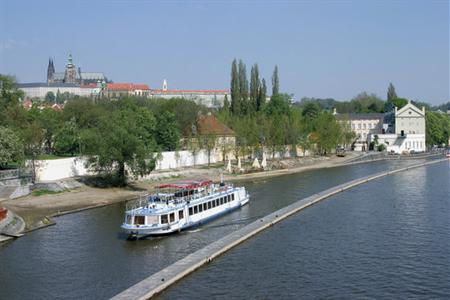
x: 323, y: 48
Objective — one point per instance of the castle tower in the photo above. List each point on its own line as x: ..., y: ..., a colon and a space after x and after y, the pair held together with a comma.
x: 50, y: 70
x: 70, y: 75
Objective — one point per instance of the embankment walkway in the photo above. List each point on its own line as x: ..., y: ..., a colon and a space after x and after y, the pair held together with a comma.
x: 159, y: 281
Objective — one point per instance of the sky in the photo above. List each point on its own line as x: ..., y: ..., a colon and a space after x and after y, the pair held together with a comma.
x: 323, y: 49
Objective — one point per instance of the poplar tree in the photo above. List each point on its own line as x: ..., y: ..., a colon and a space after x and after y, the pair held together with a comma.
x: 391, y: 94
x: 243, y: 87
x: 275, y: 82
x: 235, y: 92
x: 254, y: 88
x: 262, y: 94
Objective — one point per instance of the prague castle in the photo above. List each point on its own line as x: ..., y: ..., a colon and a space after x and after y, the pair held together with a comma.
x: 72, y: 74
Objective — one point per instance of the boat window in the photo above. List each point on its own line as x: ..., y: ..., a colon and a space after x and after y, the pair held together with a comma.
x: 164, y: 219
x: 205, y: 206
x: 129, y: 218
x: 209, y: 205
x: 228, y: 198
x: 232, y: 197
x: 217, y: 202
x: 200, y: 208
x: 221, y: 201
x: 213, y: 203
x: 190, y: 211
x: 172, y: 217
x: 195, y: 209
x: 181, y: 215
x: 139, y: 220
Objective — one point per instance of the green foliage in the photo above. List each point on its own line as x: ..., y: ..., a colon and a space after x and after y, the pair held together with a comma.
x: 235, y: 90
x: 11, y: 148
x: 275, y: 82
x: 243, y: 88
x: 279, y: 105
x: 381, y: 147
x: 262, y: 94
x: 167, y: 132
x: 67, y: 138
x: 391, y: 94
x: 328, y: 132
x: 123, y: 138
x: 254, y: 88
x: 437, y: 128
x: 50, y: 97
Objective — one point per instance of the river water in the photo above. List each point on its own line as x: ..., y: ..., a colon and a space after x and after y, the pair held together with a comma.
x: 388, y: 238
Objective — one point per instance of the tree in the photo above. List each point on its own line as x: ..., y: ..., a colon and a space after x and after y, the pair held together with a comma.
x: 328, y: 132
x: 33, y: 137
x: 235, y: 90
x: 11, y: 148
x: 67, y: 138
x: 254, y: 88
x: 208, y: 142
x: 275, y: 82
x: 437, y: 128
x: 279, y: 105
x: 123, y: 138
x: 226, y: 104
x: 50, y: 97
x: 167, y: 132
x: 391, y: 94
x: 243, y: 88
x: 262, y: 94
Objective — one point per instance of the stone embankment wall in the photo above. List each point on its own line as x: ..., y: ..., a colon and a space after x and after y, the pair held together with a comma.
x: 56, y: 169
x: 166, y: 277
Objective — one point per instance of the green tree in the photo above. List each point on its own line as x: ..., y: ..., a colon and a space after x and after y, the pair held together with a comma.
x: 50, y: 97
x: 243, y: 88
x: 11, y: 147
x: 262, y: 94
x: 33, y: 137
x: 279, y: 105
x: 437, y: 128
x: 167, y: 132
x: 328, y: 131
x: 123, y: 138
x: 391, y: 94
x: 275, y: 82
x: 68, y: 139
x: 235, y: 90
x: 208, y: 142
x: 254, y: 88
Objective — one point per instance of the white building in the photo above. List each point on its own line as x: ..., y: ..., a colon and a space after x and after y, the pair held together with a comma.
x: 365, y: 127
x: 410, y: 131
x: 39, y: 90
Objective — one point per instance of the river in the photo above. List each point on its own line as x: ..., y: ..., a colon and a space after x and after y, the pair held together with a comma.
x: 85, y: 256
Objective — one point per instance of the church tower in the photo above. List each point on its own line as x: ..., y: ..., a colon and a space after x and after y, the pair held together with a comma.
x: 50, y: 70
x: 164, y: 87
x: 70, y: 75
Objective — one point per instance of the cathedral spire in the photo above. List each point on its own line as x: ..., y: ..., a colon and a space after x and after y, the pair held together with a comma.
x: 50, y: 70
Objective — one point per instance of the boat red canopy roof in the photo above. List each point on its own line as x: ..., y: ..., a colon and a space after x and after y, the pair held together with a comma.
x: 188, y: 184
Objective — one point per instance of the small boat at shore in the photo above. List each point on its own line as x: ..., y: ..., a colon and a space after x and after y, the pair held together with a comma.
x: 177, y: 206
x: 447, y: 153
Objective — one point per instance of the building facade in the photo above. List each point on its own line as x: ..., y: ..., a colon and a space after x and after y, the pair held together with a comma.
x: 401, y: 131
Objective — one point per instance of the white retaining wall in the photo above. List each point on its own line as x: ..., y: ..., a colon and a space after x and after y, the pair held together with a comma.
x: 56, y: 169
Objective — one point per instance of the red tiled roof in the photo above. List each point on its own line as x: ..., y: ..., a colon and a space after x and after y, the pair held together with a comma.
x: 126, y: 87
x: 210, y: 125
x: 189, y: 91
x: 89, y: 86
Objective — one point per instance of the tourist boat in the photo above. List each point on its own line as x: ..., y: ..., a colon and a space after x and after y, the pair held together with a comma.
x: 177, y: 206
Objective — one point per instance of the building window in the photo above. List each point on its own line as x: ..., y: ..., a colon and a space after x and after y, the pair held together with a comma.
x: 359, y: 126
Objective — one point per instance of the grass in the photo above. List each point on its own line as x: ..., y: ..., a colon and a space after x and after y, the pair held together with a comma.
x: 40, y: 192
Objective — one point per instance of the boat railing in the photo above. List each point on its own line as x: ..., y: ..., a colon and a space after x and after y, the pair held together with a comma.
x: 136, y: 203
